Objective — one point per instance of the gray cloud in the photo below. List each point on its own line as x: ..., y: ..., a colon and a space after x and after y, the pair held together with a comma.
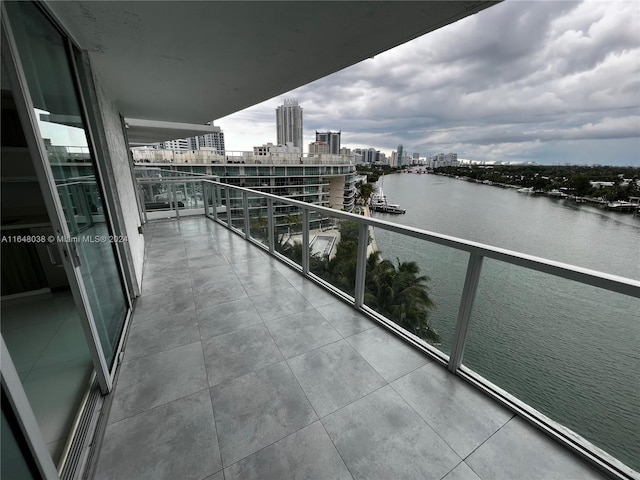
x: 519, y: 81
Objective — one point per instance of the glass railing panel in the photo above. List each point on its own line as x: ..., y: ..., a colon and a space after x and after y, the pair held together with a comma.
x: 223, y: 204
x: 287, y: 220
x: 332, y: 246
x: 211, y: 198
x: 258, y: 218
x: 416, y: 284
x: 191, y: 193
x: 568, y: 349
x: 158, y: 200
x: 236, y: 204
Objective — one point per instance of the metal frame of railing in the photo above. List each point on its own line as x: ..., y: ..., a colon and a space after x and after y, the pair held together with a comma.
x: 477, y: 252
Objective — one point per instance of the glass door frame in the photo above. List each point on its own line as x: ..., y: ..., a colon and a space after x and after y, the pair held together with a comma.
x: 24, y: 416
x: 95, y: 132
x: 68, y: 250
x: 94, y: 127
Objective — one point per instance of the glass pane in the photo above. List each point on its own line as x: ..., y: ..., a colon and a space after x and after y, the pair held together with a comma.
x: 416, y: 284
x: 237, y: 209
x: 567, y: 349
x: 287, y: 221
x: 15, y: 460
x: 189, y: 196
x: 333, y: 245
x: 212, y: 198
x: 53, y: 93
x: 258, y: 222
x: 40, y: 321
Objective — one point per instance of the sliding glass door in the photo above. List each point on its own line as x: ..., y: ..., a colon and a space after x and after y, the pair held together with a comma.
x: 57, y: 113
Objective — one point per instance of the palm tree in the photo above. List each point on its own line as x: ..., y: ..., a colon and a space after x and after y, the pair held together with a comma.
x: 401, y: 294
x: 258, y: 226
x: 292, y: 219
x: 365, y: 190
x: 283, y: 245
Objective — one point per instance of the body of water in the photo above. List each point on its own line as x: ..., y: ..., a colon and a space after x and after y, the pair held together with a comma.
x: 569, y: 350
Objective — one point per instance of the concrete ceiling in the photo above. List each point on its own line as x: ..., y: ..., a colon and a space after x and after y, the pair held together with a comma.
x: 197, y: 61
x: 145, y: 132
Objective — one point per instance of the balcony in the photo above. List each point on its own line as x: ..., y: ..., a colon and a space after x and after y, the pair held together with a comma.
x: 238, y: 366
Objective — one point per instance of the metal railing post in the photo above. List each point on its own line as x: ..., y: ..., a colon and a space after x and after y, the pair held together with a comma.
x: 175, y: 199
x: 205, y: 198
x: 141, y: 202
x: 227, y: 191
x: 245, y: 211
x: 361, y: 264
x: 271, y: 225
x: 305, y: 241
x: 215, y: 193
x: 471, y: 280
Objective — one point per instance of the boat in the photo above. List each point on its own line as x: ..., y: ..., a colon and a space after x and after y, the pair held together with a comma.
x: 388, y: 208
x: 556, y: 194
x: 622, y: 206
x: 525, y: 190
x: 378, y: 203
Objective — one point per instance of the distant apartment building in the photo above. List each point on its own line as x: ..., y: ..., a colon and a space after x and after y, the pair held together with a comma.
x: 318, y: 148
x: 443, y: 160
x: 332, y: 139
x: 270, y: 149
x: 179, y: 144
x: 322, y: 179
x: 369, y: 155
x: 289, y: 123
x: 213, y: 141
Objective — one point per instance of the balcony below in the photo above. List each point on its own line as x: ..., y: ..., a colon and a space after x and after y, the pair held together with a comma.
x: 236, y: 366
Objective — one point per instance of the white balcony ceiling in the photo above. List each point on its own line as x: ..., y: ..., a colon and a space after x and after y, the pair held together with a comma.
x: 198, y: 61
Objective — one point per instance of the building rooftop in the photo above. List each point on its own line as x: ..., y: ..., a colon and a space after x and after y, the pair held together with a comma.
x: 237, y: 366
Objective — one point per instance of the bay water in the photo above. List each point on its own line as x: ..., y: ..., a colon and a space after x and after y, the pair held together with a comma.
x: 569, y: 350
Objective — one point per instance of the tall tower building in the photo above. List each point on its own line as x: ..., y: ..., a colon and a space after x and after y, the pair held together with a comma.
x: 289, y: 123
x: 330, y: 138
x: 400, y: 154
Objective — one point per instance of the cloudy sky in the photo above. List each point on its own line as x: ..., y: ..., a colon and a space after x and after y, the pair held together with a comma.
x: 552, y: 82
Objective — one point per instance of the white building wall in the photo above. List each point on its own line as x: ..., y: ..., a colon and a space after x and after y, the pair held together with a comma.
x: 123, y: 181
x: 336, y: 192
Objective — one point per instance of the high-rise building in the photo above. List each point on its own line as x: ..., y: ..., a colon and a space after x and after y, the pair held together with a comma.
x: 318, y: 148
x: 214, y: 140
x: 399, y: 158
x: 369, y: 155
x: 332, y: 139
x: 289, y: 123
x: 177, y: 144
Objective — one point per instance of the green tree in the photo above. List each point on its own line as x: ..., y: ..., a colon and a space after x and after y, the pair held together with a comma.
x: 258, y: 226
x: 581, y: 185
x: 365, y: 190
x: 292, y: 220
x: 401, y: 294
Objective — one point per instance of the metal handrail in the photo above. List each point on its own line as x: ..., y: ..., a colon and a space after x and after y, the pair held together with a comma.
x: 614, y: 283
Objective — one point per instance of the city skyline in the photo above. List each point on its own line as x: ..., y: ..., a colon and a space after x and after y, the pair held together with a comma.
x: 546, y: 82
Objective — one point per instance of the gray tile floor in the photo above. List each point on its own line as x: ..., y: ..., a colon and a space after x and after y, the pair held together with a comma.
x: 236, y: 367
